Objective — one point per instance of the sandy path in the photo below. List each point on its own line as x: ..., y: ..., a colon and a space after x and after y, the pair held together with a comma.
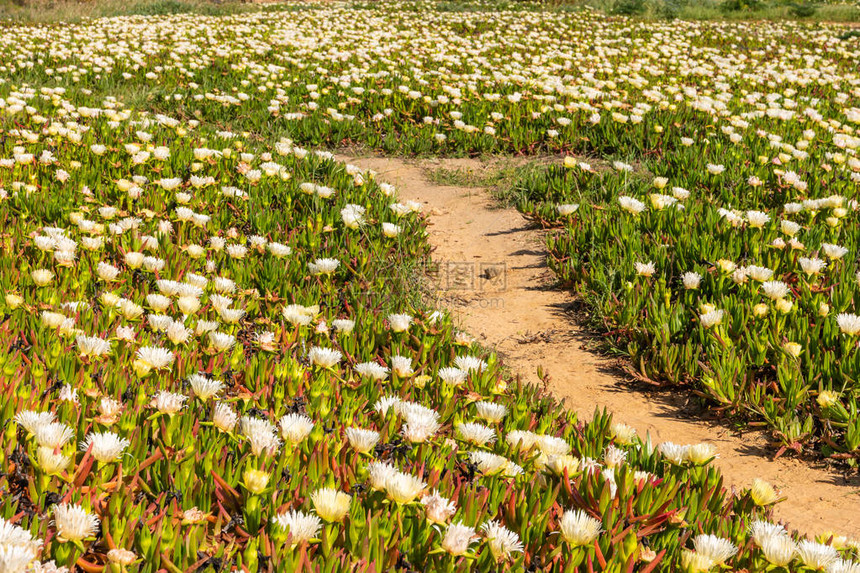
x: 494, y: 279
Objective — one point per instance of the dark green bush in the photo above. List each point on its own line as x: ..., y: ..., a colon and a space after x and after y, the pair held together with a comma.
x: 740, y: 5
x: 802, y: 10
x: 670, y: 9
x: 628, y: 7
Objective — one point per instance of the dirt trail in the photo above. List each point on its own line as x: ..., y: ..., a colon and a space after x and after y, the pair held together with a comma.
x: 493, y: 278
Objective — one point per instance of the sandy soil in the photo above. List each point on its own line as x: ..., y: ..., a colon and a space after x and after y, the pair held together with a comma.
x: 494, y: 280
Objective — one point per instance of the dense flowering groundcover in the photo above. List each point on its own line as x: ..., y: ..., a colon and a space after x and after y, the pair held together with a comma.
x: 206, y: 363
x: 725, y: 257
x: 193, y: 376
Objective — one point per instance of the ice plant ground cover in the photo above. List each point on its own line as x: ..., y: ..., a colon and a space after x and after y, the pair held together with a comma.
x: 193, y: 375
x: 197, y: 368
x: 726, y: 258
x: 743, y: 289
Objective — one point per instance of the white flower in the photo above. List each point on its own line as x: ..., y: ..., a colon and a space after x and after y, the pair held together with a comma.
x: 421, y: 423
x: 74, y: 523
x: 220, y: 302
x: 843, y: 566
x: 614, y: 457
x: 717, y: 549
x: 399, y: 322
x: 757, y: 273
x: 378, y: 474
x: 295, y: 428
x: 221, y: 341
x: 680, y: 193
x: 158, y: 302
x: 231, y: 315
x: 361, y: 440
x: 490, y: 411
x: 204, y: 326
x: 154, y: 357
x: 834, y: 252
x: 457, y: 538
x: 16, y: 559
x: 391, y: 230
x: 169, y: 184
x: 42, y: 276
x: 93, y: 346
x: 811, y: 266
x: 792, y: 208
x: 566, y: 210
x: 343, y: 325
x: 107, y: 272
x: 121, y: 556
x: 372, y: 370
x: 237, y: 251
x: 331, y: 504
x: 159, y: 322
x: 645, y: 269
x: 352, y: 216
x: 44, y: 243
x: 623, y: 433
x: 53, y: 435
x: 224, y: 285
x: 761, y: 530
x: 691, y: 280
x: 205, y: 387
x: 278, y: 250
x: 19, y: 546
x: 660, y: 201
x: 696, y: 562
x: 470, y: 363
x: 403, y: 487
x: 402, y: 366
x: 790, y: 228
x: 299, y: 315
x: 106, y: 447
x: 675, y: 453
x: 133, y: 259
x: 109, y: 408
x: 816, y: 555
x: 848, y: 323
x: 323, y: 266
x: 301, y: 526
x: 733, y: 217
x: 476, y: 433
x: 631, y: 205
x: 168, y: 402
x: 177, y: 333
x: 502, y: 540
x: 224, y: 417
x: 452, y: 376
x: 757, y: 219
x: 560, y: 463
x: 68, y: 394
x: 578, y: 528
x: 324, y: 357
x: 775, y: 290
x: 30, y: 420
x: 711, y: 318
x: 489, y: 463
x: 552, y: 445
x: 385, y: 403
x: 438, y: 509
x: 260, y: 434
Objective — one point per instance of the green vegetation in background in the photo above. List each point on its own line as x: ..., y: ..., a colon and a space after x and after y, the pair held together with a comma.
x: 55, y: 11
